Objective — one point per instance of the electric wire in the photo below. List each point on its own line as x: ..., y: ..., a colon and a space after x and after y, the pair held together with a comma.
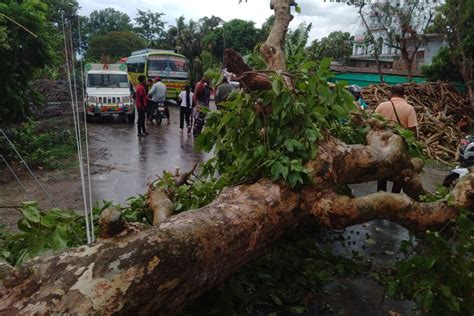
x: 86, y: 214
x: 86, y: 135
x: 22, y: 161
x: 16, y: 177
x: 82, y: 169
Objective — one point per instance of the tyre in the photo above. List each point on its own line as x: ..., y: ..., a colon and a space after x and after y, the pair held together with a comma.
x: 90, y: 118
x: 131, y: 118
x: 123, y: 118
x: 451, y: 180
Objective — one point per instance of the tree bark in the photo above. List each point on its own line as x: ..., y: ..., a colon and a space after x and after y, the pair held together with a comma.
x: 158, y: 269
x: 272, y: 50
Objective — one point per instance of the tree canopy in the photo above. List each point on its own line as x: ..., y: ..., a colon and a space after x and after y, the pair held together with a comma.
x: 337, y: 45
x: 22, y: 53
x: 114, y: 44
x: 149, y: 26
x: 106, y: 21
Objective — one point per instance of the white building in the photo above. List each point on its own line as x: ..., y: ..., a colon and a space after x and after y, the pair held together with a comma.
x: 389, y: 57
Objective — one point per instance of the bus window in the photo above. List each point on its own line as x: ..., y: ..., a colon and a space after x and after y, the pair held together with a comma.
x: 140, y: 67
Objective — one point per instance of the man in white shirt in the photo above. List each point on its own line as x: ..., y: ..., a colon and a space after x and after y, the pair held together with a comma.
x: 157, y: 94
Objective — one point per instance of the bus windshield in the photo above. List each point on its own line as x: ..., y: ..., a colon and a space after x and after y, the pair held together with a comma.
x: 167, y: 63
x: 107, y: 81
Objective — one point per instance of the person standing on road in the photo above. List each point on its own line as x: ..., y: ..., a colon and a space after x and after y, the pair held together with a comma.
x: 399, y: 111
x: 157, y: 95
x: 200, y: 101
x: 223, y: 91
x: 186, y: 105
x: 140, y: 102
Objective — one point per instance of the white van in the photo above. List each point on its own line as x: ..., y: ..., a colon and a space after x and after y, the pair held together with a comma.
x: 108, y: 91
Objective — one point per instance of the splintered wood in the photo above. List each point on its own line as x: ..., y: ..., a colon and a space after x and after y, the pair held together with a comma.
x: 441, y: 111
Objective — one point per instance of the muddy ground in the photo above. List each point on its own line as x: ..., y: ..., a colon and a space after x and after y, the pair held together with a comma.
x: 122, y: 164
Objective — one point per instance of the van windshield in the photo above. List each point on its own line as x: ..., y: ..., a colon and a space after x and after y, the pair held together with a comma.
x: 107, y: 81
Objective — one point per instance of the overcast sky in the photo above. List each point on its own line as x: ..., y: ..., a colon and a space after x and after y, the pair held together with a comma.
x: 326, y: 17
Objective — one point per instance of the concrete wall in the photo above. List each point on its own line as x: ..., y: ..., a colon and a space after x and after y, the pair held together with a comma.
x: 431, y: 49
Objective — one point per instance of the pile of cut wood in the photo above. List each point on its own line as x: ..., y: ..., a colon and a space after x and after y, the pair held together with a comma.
x: 440, y: 109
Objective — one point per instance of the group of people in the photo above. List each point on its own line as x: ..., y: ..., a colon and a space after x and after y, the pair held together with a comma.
x: 397, y: 110
x: 147, y: 98
x: 191, y: 103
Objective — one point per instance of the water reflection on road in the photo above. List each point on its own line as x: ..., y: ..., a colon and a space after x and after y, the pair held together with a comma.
x: 123, y: 163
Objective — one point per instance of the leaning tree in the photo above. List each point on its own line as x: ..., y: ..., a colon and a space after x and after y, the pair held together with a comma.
x: 158, y: 269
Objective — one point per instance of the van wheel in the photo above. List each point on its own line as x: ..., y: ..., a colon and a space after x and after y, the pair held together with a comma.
x: 131, y: 118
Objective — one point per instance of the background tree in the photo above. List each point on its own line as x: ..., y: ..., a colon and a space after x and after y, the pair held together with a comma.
x: 150, y: 27
x: 455, y: 20
x: 375, y: 50
x: 405, y: 26
x: 22, y: 53
x: 240, y: 35
x: 106, y: 21
x: 114, y: 44
x: 337, y: 45
x: 441, y: 67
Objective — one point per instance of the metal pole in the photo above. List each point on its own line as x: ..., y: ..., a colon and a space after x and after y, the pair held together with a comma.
x: 16, y: 177
x: 28, y: 168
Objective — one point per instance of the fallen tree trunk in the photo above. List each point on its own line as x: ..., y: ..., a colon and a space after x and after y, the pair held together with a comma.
x: 159, y: 269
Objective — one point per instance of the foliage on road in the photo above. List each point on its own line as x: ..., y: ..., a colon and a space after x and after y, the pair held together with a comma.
x: 40, y: 232
x: 286, y: 279
x: 438, y: 273
x: 44, y: 145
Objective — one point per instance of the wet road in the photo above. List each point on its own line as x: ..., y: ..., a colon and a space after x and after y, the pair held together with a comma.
x: 122, y: 163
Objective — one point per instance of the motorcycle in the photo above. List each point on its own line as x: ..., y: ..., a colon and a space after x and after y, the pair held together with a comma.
x: 159, y: 112
x: 466, y: 159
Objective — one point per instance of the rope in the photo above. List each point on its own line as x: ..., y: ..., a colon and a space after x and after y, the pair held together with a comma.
x: 79, y: 153
x: 17, y: 178
x: 28, y: 168
x: 86, y: 136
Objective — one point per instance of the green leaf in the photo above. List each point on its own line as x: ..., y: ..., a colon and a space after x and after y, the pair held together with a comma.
x: 276, y: 299
x: 325, y: 63
x: 276, y: 170
x: 31, y: 212
x: 427, y: 301
x: 48, y: 220
x: 276, y: 86
x: 298, y: 9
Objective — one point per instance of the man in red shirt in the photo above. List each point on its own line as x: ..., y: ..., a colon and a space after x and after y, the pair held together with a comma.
x: 141, y: 102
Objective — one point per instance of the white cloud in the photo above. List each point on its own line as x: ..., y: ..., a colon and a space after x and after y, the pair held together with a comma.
x: 326, y: 17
